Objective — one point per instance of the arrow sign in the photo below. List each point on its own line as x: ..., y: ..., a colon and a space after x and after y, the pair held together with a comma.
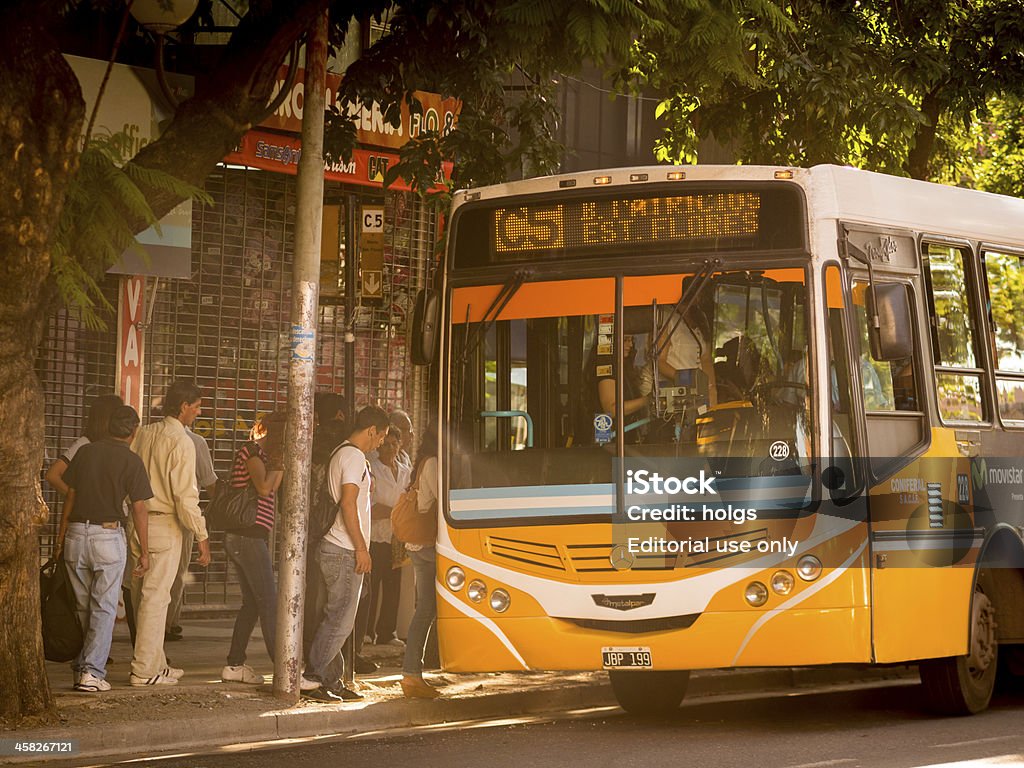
x: 373, y: 284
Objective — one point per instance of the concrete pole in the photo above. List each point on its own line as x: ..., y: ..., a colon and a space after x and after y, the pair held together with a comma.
x: 298, y: 447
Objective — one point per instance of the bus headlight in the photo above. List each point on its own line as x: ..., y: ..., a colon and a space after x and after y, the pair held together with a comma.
x: 782, y: 582
x: 500, y: 600
x: 808, y: 567
x: 476, y: 591
x: 455, y: 578
x: 756, y: 594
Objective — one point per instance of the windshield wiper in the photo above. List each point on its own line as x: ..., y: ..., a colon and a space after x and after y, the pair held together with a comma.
x: 476, y: 334
x: 686, y: 300
x: 508, y: 289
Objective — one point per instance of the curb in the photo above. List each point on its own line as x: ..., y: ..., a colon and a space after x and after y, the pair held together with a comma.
x: 313, y: 721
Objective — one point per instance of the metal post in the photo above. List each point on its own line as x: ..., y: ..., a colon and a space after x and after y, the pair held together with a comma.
x: 351, y: 276
x: 301, y: 371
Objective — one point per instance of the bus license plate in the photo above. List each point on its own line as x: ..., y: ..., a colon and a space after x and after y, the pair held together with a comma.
x: 626, y: 658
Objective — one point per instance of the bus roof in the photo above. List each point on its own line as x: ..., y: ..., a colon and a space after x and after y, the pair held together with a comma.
x: 834, y: 192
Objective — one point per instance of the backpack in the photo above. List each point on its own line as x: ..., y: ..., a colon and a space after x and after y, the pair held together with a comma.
x: 323, y: 509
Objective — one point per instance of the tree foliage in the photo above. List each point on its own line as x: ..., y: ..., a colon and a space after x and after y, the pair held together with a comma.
x: 500, y: 57
x: 104, y: 201
x: 889, y: 86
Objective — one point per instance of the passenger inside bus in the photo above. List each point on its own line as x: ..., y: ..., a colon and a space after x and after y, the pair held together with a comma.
x: 636, y: 387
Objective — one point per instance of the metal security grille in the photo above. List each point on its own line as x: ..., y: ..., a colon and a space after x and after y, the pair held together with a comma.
x: 75, y: 364
x: 226, y: 329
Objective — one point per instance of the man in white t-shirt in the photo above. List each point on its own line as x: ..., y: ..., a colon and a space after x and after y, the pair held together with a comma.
x: 343, y: 557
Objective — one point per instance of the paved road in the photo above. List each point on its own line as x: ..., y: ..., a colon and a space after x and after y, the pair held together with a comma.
x: 881, y: 727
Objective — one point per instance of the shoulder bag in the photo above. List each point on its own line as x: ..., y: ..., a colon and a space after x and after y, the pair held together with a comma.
x: 62, y: 633
x: 233, y: 508
x: 409, y: 524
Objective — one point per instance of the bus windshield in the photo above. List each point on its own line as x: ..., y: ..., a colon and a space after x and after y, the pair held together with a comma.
x: 713, y: 367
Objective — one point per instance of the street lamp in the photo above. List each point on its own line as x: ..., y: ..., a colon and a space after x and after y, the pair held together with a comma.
x: 162, y: 16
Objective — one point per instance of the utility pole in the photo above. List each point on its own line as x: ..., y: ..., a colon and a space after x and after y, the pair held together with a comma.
x: 298, y: 445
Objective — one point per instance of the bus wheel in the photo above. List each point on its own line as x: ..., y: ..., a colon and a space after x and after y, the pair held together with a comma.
x: 963, y: 685
x: 649, y: 693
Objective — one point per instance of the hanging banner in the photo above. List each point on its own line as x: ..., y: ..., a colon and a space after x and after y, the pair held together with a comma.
x: 130, y: 314
x: 276, y: 152
x: 438, y: 115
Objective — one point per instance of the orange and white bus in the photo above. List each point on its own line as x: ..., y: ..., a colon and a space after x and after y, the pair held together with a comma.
x: 843, y: 420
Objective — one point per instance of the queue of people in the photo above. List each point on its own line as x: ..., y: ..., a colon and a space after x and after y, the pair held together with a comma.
x: 131, y: 514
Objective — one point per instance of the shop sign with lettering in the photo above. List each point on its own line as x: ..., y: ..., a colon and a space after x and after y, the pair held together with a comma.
x: 277, y: 152
x: 372, y: 129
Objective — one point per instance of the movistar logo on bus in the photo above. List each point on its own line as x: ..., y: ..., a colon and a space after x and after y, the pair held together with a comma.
x: 643, y: 482
x: 1005, y: 476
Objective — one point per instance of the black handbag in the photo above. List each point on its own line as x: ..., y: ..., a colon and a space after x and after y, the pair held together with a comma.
x: 62, y: 633
x: 233, y: 509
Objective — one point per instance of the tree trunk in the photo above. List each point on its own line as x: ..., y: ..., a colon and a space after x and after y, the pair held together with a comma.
x: 920, y: 157
x: 39, y: 128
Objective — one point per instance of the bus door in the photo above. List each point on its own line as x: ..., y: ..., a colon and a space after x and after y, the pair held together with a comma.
x: 912, y: 470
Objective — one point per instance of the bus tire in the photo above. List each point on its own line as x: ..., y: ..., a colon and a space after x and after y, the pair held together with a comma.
x: 649, y: 693
x: 963, y: 685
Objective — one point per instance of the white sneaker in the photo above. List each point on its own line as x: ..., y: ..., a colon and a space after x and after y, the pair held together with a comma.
x: 308, y: 685
x: 89, y: 683
x: 174, y: 672
x: 160, y: 678
x: 242, y: 673
x: 396, y: 642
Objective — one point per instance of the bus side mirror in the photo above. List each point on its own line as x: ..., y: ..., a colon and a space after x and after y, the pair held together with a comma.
x: 893, y: 338
x: 424, y: 327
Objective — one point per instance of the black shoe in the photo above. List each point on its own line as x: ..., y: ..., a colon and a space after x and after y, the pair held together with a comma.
x: 321, y: 694
x: 345, y: 694
x: 365, y: 666
x: 170, y: 637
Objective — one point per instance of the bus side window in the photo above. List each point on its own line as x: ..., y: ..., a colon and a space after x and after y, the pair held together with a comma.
x: 1004, y: 279
x: 888, y: 385
x: 958, y: 373
x: 892, y: 393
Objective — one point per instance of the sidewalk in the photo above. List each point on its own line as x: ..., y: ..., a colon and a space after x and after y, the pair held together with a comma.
x: 202, y: 713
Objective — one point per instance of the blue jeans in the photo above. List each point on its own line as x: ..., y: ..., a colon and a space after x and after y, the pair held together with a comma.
x: 424, y: 568
x: 338, y: 566
x: 95, y: 557
x: 259, y: 594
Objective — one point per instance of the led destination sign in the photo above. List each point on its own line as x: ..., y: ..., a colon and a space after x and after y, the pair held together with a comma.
x: 583, y: 224
x: 749, y: 219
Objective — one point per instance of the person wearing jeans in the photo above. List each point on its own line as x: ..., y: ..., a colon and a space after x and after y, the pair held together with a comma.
x: 91, y: 539
x: 95, y: 555
x: 257, y: 462
x: 325, y: 664
x: 424, y: 569
x: 343, y: 556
